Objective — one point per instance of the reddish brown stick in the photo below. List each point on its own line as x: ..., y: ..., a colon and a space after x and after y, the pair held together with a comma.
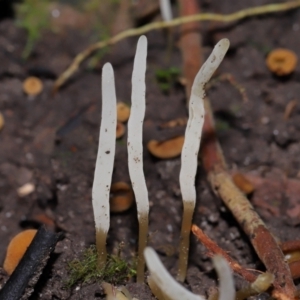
x: 262, y: 240
x: 290, y: 246
x: 190, y: 37
x: 215, y: 249
x: 295, y: 269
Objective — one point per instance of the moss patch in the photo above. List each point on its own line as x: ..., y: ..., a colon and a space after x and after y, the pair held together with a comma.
x: 85, y: 270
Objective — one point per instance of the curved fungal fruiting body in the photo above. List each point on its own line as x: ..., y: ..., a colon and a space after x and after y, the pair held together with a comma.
x: 166, y: 149
x: 164, y: 281
x: 123, y: 112
x: 282, y: 61
x: 121, y: 197
x: 189, y: 155
x: 32, y: 86
x: 165, y: 10
x: 105, y: 162
x: 226, y: 286
x: 120, y: 130
x: 165, y: 286
x: 135, y: 149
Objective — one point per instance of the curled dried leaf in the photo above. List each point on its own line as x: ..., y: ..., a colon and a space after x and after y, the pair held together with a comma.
x: 282, y: 61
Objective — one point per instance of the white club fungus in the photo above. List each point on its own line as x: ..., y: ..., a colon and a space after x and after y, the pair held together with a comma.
x: 165, y: 10
x: 135, y: 149
x: 189, y: 155
x: 226, y: 286
x: 164, y: 281
x: 105, y: 161
x: 168, y: 288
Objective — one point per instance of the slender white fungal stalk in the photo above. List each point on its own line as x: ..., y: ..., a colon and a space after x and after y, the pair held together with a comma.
x: 168, y: 288
x: 165, y: 10
x: 189, y: 155
x: 226, y: 285
x: 164, y: 281
x: 135, y: 149
x: 105, y: 161
x: 156, y: 291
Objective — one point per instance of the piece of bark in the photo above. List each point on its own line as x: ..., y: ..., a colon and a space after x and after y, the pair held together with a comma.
x: 21, y: 283
x: 214, y: 249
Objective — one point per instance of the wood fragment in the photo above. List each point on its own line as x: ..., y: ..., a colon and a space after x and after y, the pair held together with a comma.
x: 290, y: 246
x: 1, y: 121
x: 289, y: 109
x: 295, y: 269
x: 190, y: 38
x: 215, y: 249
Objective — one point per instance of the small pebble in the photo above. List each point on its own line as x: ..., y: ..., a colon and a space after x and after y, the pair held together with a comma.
x: 25, y: 189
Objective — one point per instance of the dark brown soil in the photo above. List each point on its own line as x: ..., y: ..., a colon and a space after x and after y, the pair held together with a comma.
x: 52, y: 143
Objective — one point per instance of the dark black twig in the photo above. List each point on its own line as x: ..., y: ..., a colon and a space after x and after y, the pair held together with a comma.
x: 21, y: 283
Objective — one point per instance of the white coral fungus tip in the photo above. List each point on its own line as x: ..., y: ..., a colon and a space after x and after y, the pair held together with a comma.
x: 226, y: 286
x: 166, y: 283
x: 105, y: 160
x: 189, y: 154
x: 135, y: 148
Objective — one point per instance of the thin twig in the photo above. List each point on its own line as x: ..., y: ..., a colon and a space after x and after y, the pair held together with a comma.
x: 295, y: 269
x: 215, y: 249
x: 290, y: 246
x: 239, y: 15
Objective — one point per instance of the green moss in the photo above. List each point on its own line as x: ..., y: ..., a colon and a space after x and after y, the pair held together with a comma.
x: 222, y: 125
x: 85, y: 270
x: 33, y: 16
x: 166, y: 78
